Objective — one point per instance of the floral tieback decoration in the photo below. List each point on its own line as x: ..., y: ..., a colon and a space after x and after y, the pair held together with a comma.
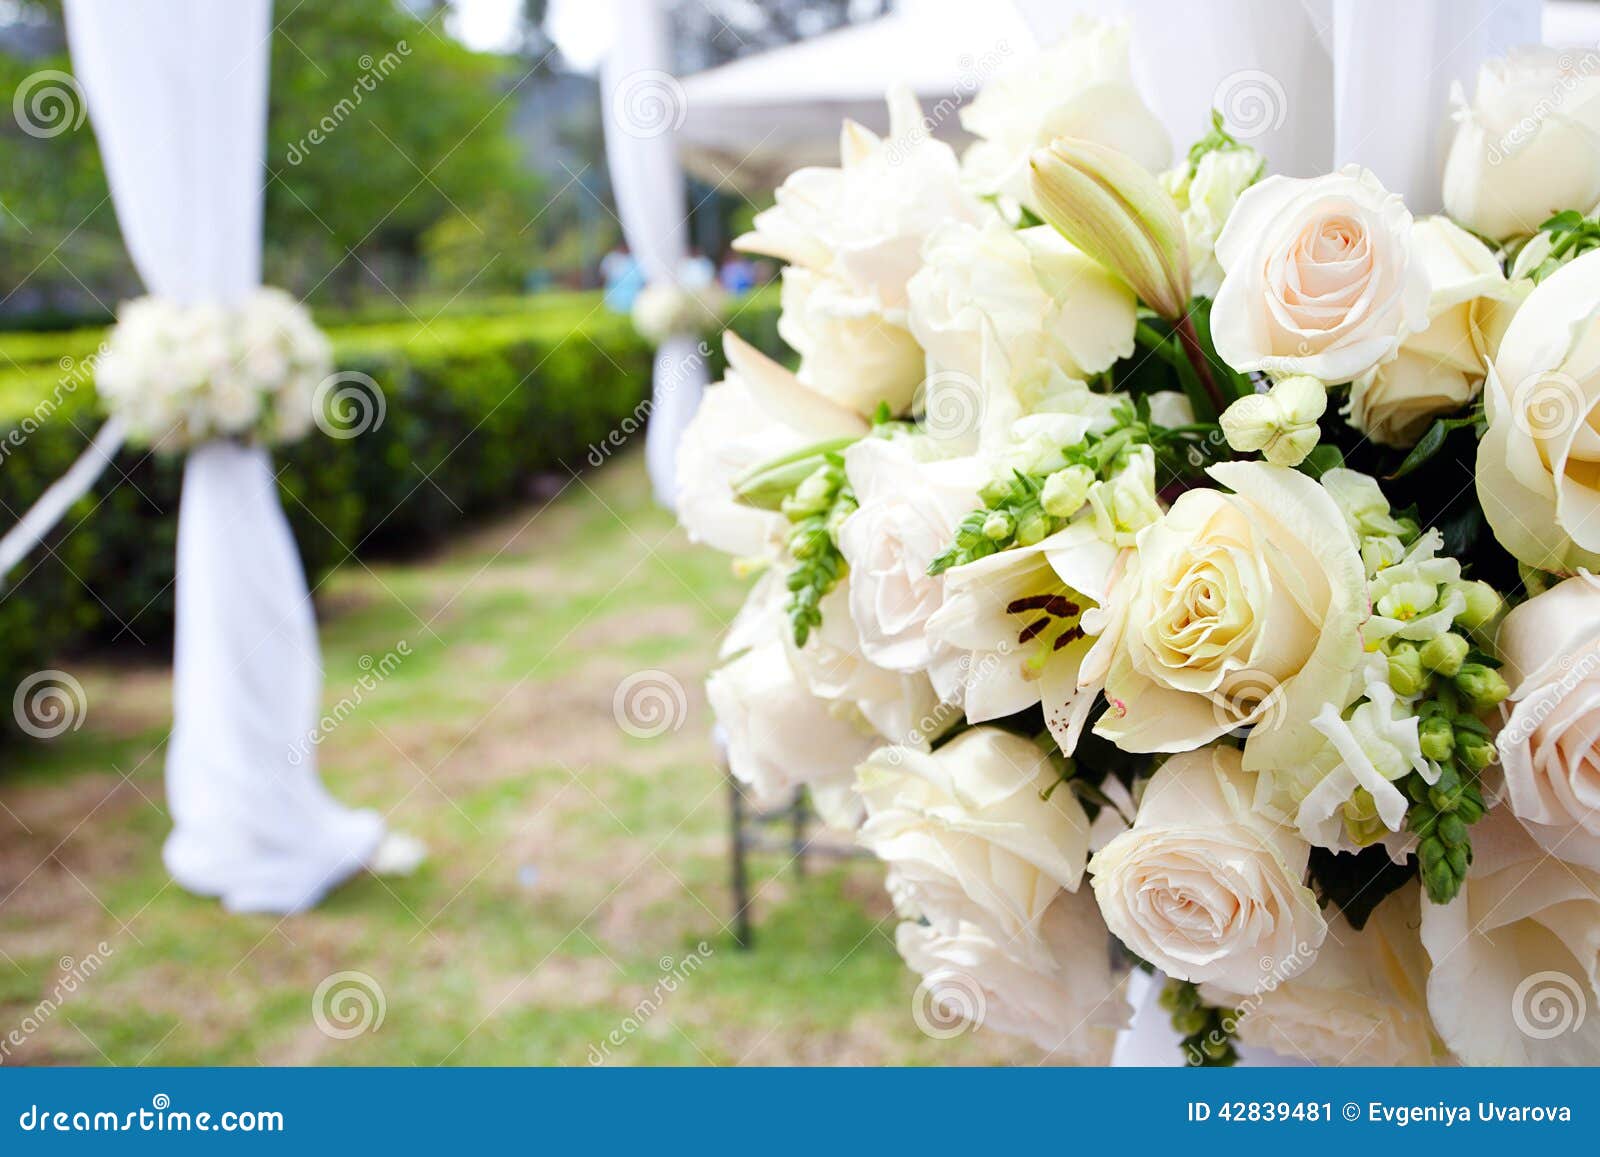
x: 181, y: 375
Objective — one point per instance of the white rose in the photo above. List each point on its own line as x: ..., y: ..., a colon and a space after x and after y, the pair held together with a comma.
x: 1439, y: 370
x: 1203, y: 886
x: 1239, y: 609
x: 1528, y: 146
x: 1206, y: 195
x: 1516, y: 955
x: 865, y: 221
x: 1362, y: 1003
x: 1029, y: 291
x: 900, y: 706
x: 1551, y: 648
x: 779, y: 736
x: 1537, y: 462
x: 1319, y: 277
x: 908, y: 513
x: 1070, y: 1004
x: 758, y: 413
x: 1080, y: 87
x: 851, y: 350
x: 980, y: 831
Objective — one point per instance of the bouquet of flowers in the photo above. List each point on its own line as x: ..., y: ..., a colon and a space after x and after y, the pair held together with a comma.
x: 179, y: 375
x: 1183, y: 568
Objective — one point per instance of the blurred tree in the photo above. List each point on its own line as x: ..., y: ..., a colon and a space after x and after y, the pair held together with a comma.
x: 380, y: 127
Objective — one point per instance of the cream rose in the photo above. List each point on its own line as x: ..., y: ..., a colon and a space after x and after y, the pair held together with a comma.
x: 851, y: 349
x: 1236, y: 610
x: 1080, y: 87
x: 1439, y: 370
x: 1528, y: 145
x: 1551, y: 648
x: 1363, y: 1002
x: 1071, y: 1004
x: 1516, y: 955
x: 1319, y: 277
x: 1539, y: 462
x: 908, y: 513
x: 970, y: 836
x: 1204, y: 887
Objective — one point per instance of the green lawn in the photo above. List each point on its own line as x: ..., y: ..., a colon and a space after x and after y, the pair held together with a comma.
x: 573, y: 866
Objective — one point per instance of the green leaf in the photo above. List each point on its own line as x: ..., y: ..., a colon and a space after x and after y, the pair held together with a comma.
x: 1322, y: 459
x: 1431, y: 443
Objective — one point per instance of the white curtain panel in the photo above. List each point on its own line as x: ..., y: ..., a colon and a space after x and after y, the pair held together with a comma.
x: 1394, y: 65
x: 1313, y: 84
x: 643, y: 106
x: 177, y: 91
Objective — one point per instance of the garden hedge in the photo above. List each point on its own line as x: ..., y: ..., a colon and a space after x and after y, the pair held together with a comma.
x: 473, y: 408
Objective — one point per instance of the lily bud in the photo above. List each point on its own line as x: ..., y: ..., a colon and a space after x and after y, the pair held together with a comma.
x: 1110, y: 207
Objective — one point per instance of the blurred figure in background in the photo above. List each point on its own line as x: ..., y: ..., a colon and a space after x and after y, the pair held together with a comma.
x: 738, y: 273
x: 623, y: 277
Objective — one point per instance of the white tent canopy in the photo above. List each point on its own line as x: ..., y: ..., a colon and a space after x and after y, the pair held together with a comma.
x: 751, y: 122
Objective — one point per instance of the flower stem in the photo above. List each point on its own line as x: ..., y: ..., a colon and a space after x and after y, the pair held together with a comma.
x: 1190, y: 341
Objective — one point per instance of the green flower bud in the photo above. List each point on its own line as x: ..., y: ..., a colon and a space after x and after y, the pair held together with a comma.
x: 1474, y: 751
x: 1483, y: 686
x: 1452, y: 830
x: 1034, y: 527
x: 998, y: 525
x: 1442, y: 883
x: 1406, y: 675
x: 1445, y: 654
x: 1066, y: 491
x: 1438, y: 738
x: 1483, y: 605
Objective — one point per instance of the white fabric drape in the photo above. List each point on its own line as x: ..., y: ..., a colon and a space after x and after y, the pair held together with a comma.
x: 643, y: 105
x: 177, y: 90
x: 1316, y: 84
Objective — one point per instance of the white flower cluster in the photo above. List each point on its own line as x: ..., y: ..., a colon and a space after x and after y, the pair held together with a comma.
x: 180, y: 375
x: 666, y: 309
x: 1083, y: 604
